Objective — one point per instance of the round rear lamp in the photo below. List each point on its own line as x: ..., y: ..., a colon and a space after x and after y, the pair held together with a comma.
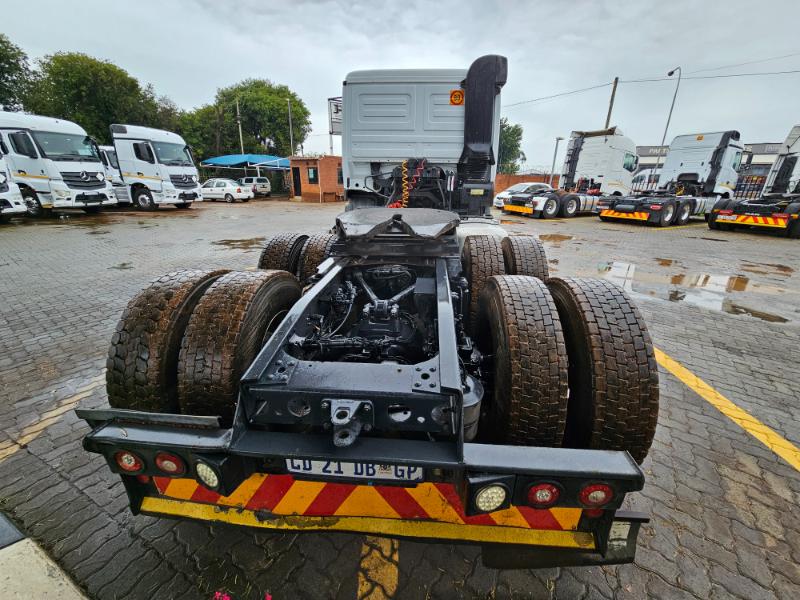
x: 490, y: 498
x: 128, y: 461
x: 170, y: 464
x: 542, y: 495
x: 207, y: 476
x: 596, y: 495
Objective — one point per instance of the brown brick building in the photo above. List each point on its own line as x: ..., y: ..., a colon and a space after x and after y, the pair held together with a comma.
x: 316, y: 179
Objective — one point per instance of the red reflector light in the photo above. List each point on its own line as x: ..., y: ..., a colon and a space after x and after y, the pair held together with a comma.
x: 593, y: 513
x: 128, y: 461
x: 143, y: 478
x: 655, y: 207
x: 596, y: 494
x: 543, y: 495
x: 780, y: 215
x: 727, y: 211
x: 170, y: 464
x: 238, y: 190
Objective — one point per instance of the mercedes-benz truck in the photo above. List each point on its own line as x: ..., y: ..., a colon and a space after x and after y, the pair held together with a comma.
x: 156, y: 167
x: 55, y: 164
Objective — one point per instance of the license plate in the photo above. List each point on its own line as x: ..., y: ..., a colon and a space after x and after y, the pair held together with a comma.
x: 726, y: 217
x: 348, y: 470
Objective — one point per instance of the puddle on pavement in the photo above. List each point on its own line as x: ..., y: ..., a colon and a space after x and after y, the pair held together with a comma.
x: 766, y: 268
x: 555, y: 238
x: 706, y: 290
x: 122, y: 266
x: 245, y: 244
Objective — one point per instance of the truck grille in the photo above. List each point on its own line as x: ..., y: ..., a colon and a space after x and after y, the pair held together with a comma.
x: 83, y: 180
x: 179, y: 182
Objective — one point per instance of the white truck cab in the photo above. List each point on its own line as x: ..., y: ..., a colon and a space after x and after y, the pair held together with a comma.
x: 600, y: 162
x: 113, y: 174
x: 702, y: 164
x: 156, y: 167
x: 11, y: 202
x: 55, y: 163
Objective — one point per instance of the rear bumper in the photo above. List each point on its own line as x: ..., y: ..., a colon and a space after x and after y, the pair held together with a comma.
x: 256, y: 489
x: 636, y: 215
x: 754, y: 220
x: 523, y: 210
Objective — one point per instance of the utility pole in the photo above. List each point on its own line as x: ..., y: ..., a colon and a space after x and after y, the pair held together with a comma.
x: 330, y: 140
x: 669, y: 116
x: 239, y: 122
x: 611, y: 102
x: 291, y: 133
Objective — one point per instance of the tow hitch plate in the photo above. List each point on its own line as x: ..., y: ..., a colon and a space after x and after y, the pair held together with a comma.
x: 347, y: 470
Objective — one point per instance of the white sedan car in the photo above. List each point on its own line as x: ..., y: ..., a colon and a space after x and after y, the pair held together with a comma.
x: 226, y: 189
x: 519, y: 188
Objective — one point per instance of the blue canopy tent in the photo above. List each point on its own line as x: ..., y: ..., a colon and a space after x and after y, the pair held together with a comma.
x: 245, y: 161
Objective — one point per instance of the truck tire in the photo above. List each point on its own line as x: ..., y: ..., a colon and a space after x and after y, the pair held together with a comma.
x: 520, y: 328
x: 34, y: 206
x: 666, y: 215
x: 570, y: 205
x: 793, y: 230
x: 227, y: 328
x: 550, y: 209
x: 613, y: 377
x: 684, y: 213
x: 282, y: 252
x: 315, y: 250
x: 143, y: 199
x: 524, y: 255
x: 481, y: 258
x: 141, y: 369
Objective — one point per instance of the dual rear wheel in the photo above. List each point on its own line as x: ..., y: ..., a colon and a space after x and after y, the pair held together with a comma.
x: 569, y: 361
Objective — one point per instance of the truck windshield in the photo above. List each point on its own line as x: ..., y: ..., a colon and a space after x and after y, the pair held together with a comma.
x: 66, y: 146
x: 173, y: 154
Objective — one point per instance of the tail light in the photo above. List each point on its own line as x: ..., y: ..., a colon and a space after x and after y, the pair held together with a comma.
x: 207, y: 475
x: 490, y: 498
x: 254, y: 189
x: 128, y: 461
x: 727, y: 211
x: 170, y: 464
x: 543, y: 495
x: 656, y: 207
x: 781, y: 215
x: 238, y: 190
x: 596, y: 495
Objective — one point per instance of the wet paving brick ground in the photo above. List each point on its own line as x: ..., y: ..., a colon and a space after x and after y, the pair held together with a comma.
x: 725, y: 517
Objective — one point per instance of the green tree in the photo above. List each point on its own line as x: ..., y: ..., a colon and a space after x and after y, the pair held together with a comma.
x: 14, y: 74
x: 94, y: 93
x: 510, y: 153
x: 212, y: 129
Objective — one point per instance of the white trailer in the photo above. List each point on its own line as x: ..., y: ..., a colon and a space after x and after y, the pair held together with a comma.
x: 11, y: 202
x: 55, y: 164
x: 156, y: 167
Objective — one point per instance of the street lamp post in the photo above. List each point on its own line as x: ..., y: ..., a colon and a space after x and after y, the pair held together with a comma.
x: 669, y: 116
x: 553, y: 167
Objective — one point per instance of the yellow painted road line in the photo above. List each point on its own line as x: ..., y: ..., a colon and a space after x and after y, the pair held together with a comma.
x: 767, y: 436
x: 49, y: 417
x: 377, y: 574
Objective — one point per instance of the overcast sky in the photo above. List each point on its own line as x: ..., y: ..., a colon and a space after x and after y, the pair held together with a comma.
x: 187, y: 49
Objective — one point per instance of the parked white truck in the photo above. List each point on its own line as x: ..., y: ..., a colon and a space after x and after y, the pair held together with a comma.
x: 597, y: 163
x: 55, y: 163
x: 778, y: 206
x: 156, y: 167
x: 700, y: 168
x: 11, y: 202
